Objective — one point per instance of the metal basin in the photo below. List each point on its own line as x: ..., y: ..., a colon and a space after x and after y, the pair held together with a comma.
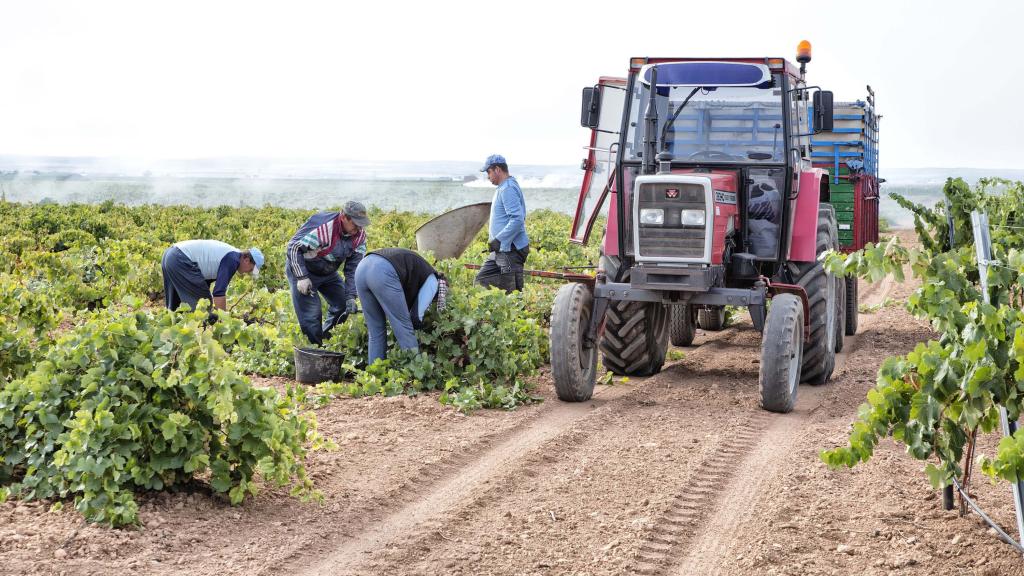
x: 313, y: 365
x: 449, y: 234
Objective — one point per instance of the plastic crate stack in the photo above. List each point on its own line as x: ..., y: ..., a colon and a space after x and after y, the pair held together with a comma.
x: 850, y: 154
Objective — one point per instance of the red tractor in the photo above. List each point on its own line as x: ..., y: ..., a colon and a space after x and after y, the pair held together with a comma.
x: 715, y: 200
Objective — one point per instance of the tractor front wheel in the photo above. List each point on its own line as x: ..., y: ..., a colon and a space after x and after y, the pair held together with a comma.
x: 573, y: 364
x: 781, y: 353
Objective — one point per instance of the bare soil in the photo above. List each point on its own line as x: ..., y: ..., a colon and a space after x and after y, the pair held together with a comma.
x: 676, y: 474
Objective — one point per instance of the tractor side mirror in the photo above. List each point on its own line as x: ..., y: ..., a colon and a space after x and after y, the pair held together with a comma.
x: 823, y: 121
x: 591, y: 111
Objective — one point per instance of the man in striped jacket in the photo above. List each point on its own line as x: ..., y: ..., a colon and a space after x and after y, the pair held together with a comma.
x: 326, y: 242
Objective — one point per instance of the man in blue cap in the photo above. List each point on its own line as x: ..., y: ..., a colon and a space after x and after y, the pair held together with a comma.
x: 190, y: 267
x: 508, y: 244
x: 326, y: 242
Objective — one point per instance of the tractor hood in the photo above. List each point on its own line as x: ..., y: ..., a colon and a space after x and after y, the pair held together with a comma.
x: 723, y: 180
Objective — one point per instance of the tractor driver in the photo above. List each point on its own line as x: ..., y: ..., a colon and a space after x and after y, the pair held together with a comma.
x: 508, y: 244
x: 764, y: 209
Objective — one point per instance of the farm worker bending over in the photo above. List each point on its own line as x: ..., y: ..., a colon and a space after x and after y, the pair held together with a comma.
x: 508, y: 242
x: 323, y: 244
x: 398, y: 284
x: 190, y: 266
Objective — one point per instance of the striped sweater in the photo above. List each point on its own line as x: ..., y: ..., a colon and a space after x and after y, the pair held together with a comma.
x: 320, y: 247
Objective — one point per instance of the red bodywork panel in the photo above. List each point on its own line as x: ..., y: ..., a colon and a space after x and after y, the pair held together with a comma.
x: 611, y: 230
x: 865, y: 212
x: 805, y: 222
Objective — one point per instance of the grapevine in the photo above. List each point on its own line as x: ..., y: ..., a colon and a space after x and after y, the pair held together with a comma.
x: 105, y: 394
x: 146, y: 401
x: 937, y: 398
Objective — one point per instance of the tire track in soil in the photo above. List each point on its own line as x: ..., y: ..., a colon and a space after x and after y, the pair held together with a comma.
x: 438, y: 488
x: 442, y: 486
x: 534, y: 469
x: 688, y: 510
x: 698, y: 525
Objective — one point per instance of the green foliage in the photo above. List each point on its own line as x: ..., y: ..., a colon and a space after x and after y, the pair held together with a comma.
x: 104, y: 393
x: 934, y: 398
x: 478, y: 352
x: 133, y: 400
x: 26, y: 318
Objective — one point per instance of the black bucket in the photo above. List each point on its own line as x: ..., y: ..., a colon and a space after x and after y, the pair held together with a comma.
x: 313, y: 366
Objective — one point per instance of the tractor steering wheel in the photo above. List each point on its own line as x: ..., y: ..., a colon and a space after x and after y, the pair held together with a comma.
x: 711, y: 155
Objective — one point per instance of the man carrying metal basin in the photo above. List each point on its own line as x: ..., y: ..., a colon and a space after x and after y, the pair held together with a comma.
x: 326, y: 242
x: 509, y: 244
x: 397, y: 285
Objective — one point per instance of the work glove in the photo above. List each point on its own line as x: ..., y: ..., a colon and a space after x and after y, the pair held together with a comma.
x: 350, y: 307
x: 503, y: 262
x: 304, y: 286
x: 494, y: 245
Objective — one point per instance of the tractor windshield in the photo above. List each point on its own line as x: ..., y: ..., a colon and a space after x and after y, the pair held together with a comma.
x: 731, y: 123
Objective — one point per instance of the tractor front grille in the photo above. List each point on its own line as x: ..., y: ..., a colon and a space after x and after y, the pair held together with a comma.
x: 672, y: 238
x: 671, y: 242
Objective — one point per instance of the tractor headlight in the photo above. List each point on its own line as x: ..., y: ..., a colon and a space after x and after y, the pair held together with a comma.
x: 652, y: 216
x: 692, y: 217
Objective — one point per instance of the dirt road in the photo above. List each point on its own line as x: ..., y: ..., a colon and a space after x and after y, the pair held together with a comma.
x: 677, y: 474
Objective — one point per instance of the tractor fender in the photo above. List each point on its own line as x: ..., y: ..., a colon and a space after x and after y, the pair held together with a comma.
x: 805, y: 219
x: 776, y: 288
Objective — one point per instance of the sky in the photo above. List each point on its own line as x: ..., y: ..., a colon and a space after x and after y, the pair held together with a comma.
x: 380, y: 80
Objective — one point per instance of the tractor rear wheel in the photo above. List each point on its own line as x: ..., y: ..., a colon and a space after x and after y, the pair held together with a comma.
x: 573, y: 365
x: 852, y: 306
x: 680, y: 325
x: 819, y: 355
x: 711, y: 318
x: 636, y: 337
x: 781, y: 353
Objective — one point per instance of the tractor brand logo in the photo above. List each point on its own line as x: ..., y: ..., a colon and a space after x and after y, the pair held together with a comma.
x: 725, y: 197
x: 672, y: 193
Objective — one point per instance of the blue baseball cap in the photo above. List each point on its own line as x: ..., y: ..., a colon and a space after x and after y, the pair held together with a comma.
x: 492, y: 160
x: 257, y: 259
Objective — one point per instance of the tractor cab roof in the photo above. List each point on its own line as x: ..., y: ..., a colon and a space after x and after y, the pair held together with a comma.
x: 730, y: 66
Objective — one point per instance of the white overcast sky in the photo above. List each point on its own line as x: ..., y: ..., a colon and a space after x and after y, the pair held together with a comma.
x: 376, y: 80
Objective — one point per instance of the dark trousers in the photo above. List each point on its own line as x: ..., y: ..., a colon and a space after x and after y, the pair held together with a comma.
x: 307, y: 307
x: 511, y: 279
x: 183, y: 282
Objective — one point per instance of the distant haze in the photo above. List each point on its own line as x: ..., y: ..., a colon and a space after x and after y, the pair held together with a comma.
x: 421, y: 186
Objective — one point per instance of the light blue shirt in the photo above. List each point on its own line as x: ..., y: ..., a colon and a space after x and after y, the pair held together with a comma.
x: 508, y: 216
x: 426, y: 295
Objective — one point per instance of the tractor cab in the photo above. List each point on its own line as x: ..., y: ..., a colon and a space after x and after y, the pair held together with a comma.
x: 712, y: 158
